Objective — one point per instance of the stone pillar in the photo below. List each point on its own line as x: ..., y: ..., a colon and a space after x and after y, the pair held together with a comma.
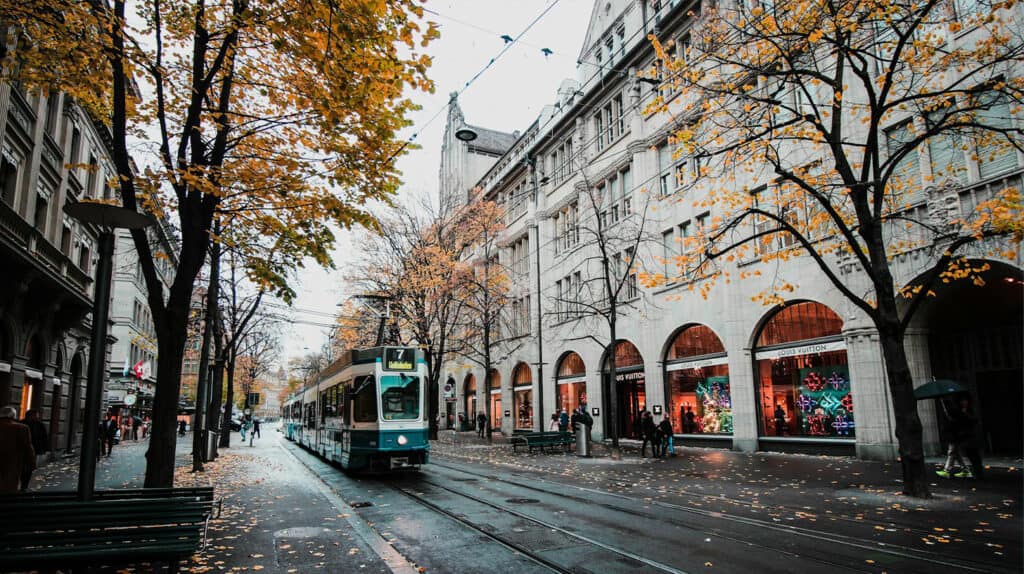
x: 915, y: 340
x: 595, y: 398
x: 875, y: 430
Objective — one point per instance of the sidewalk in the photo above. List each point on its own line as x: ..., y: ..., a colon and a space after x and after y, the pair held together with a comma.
x: 277, y: 516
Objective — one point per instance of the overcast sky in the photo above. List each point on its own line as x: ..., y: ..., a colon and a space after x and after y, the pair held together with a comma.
x: 508, y: 96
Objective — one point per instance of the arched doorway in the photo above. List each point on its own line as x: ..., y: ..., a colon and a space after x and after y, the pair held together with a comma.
x: 630, y: 388
x: 469, y: 402
x: 571, y: 383
x: 33, y: 386
x: 494, y: 416
x: 975, y: 334
x: 74, y: 401
x: 522, y: 396
x: 697, y: 382
x: 803, y: 380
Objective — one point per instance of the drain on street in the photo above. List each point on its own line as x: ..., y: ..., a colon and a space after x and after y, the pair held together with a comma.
x: 360, y: 504
x: 522, y: 501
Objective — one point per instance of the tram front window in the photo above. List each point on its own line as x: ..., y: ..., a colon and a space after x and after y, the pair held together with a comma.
x: 400, y: 397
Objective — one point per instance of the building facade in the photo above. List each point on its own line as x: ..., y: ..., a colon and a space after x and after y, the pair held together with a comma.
x: 133, y: 364
x: 729, y: 371
x: 53, y: 154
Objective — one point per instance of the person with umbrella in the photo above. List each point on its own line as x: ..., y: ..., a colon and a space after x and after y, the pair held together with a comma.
x: 957, y: 429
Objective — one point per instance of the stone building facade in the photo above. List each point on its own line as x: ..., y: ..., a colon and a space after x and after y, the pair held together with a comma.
x: 728, y: 370
x: 49, y: 259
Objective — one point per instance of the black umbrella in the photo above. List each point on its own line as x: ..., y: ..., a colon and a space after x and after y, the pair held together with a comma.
x: 938, y: 388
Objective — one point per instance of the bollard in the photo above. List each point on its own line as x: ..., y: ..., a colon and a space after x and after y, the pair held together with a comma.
x: 582, y: 444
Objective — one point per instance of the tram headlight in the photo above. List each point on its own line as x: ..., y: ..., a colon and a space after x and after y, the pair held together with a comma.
x: 402, y: 440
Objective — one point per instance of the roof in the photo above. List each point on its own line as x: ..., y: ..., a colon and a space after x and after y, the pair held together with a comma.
x: 492, y: 141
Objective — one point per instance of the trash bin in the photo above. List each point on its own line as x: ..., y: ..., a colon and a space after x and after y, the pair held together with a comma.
x: 582, y: 442
x: 211, y: 441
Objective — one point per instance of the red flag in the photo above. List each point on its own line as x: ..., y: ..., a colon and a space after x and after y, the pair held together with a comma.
x: 137, y: 370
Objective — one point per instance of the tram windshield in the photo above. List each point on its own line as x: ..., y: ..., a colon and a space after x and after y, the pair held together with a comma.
x: 400, y: 397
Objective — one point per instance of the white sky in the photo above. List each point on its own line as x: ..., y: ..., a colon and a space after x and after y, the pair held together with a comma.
x: 507, y: 97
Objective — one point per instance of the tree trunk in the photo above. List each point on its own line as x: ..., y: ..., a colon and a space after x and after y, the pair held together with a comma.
x: 163, y: 440
x: 613, y: 391
x: 229, y: 398
x: 908, y: 423
x: 213, y: 419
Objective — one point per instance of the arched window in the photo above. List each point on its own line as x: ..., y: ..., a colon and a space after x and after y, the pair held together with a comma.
x: 631, y: 390
x: 571, y: 383
x: 626, y: 356
x: 571, y: 365
x: 697, y: 383
x: 522, y: 379
x: 804, y: 382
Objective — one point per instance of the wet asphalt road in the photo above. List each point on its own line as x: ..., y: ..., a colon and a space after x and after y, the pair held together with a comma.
x: 459, y: 515
x: 482, y: 508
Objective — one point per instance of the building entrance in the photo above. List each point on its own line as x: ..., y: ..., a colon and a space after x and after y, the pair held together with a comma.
x: 975, y: 338
x: 630, y: 391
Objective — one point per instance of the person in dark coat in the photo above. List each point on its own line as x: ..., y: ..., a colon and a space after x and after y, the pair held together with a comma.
x: 136, y: 423
x: 481, y: 422
x: 649, y: 431
x: 40, y: 439
x: 563, y: 421
x: 19, y: 458
x: 958, y: 432
x: 108, y: 433
x: 665, y: 433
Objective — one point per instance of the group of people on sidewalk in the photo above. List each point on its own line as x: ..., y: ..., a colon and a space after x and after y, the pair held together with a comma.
x: 659, y: 435
x: 21, y: 443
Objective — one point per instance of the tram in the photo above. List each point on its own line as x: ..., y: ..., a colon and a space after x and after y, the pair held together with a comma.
x: 366, y: 411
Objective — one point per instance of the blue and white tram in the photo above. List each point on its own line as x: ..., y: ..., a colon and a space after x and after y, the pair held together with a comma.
x: 367, y: 410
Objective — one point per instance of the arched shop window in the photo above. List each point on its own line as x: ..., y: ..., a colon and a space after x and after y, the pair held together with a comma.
x: 630, y: 387
x: 469, y: 400
x: 522, y: 393
x: 31, y: 390
x: 494, y: 415
x: 803, y: 377
x: 570, y: 383
x: 697, y: 383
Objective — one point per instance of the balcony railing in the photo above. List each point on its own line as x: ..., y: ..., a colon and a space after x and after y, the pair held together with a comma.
x: 21, y: 235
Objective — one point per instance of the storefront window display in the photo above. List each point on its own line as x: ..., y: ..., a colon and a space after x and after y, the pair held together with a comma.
x: 522, y: 392
x: 697, y: 380
x: 495, y: 415
x: 804, y: 384
x: 571, y: 385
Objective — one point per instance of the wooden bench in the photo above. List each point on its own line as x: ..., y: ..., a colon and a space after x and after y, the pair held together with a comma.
x: 118, y: 527
x: 543, y: 440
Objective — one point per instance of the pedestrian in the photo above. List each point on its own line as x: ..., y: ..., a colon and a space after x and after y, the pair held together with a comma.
x: 145, y: 426
x: 108, y: 433
x: 181, y: 427
x: 19, y: 458
x: 136, y: 423
x: 246, y: 425
x: 689, y: 420
x: 481, y: 421
x: 780, y: 420
x: 553, y: 425
x: 958, y: 432
x: 665, y: 429
x: 648, y: 431
x: 126, y: 427
x: 40, y: 436
x: 563, y: 421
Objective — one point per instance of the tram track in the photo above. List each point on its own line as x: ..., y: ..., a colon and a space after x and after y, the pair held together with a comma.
x: 851, y: 542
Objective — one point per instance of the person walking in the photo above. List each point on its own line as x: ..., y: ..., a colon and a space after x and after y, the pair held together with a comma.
x: 481, y: 422
x: 256, y: 428
x: 958, y: 432
x: 145, y: 426
x: 665, y: 431
x: 40, y: 436
x: 553, y: 425
x: 108, y: 433
x: 19, y: 458
x: 181, y: 428
x: 648, y: 430
x: 136, y: 423
x: 563, y: 421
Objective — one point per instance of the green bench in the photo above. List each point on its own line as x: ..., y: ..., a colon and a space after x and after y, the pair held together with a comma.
x: 543, y: 440
x: 118, y: 527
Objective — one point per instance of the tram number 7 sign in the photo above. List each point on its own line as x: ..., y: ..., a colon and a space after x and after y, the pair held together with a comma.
x: 399, y: 359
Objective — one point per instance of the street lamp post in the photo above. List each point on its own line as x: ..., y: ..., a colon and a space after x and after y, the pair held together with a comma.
x: 107, y: 218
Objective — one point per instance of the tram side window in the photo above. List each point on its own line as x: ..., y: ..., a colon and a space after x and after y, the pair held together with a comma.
x: 311, y: 415
x: 364, y: 400
x: 329, y: 400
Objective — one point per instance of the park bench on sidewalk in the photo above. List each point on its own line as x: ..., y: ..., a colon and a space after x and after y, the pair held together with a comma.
x: 543, y: 440
x: 118, y: 527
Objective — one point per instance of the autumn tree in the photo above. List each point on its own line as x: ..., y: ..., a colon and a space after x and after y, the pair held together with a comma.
x: 292, y: 105
x: 809, y: 121
x: 413, y: 260
x: 486, y: 329
x: 603, y: 280
x: 356, y: 327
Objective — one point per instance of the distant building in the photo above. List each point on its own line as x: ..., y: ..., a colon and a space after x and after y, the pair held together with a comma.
x: 464, y: 163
